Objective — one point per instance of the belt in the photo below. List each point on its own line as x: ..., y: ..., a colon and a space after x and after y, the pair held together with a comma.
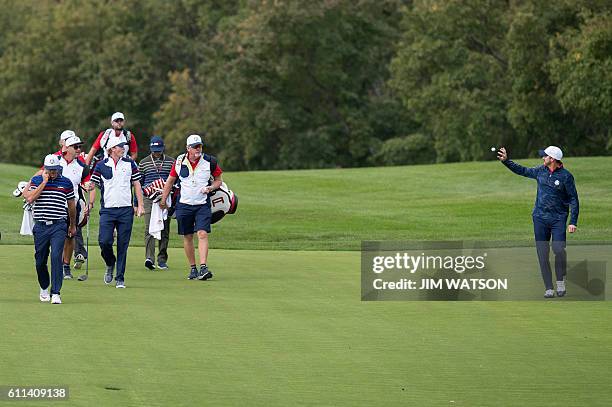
x: 50, y: 222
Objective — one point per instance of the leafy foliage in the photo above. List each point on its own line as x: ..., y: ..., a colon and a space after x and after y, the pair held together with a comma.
x: 293, y: 84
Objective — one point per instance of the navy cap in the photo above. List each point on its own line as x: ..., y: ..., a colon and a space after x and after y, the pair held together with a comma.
x: 157, y: 144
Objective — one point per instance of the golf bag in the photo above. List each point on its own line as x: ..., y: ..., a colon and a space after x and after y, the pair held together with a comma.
x: 222, y: 202
x: 154, y: 190
x: 27, y: 222
x: 81, y: 205
x: 20, y: 188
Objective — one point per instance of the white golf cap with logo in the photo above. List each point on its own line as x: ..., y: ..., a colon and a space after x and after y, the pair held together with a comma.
x: 117, y: 115
x: 52, y: 162
x: 194, y: 140
x: 67, y: 134
x: 552, y: 151
x: 116, y: 141
x: 72, y: 141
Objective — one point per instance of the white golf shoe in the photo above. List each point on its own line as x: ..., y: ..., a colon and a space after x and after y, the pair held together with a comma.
x: 561, y: 288
x: 44, y: 295
x: 55, y: 299
x: 79, y: 259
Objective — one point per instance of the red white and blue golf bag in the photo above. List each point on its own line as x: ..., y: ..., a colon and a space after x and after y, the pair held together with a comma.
x: 222, y: 202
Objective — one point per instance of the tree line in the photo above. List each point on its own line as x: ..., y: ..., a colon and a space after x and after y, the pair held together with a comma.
x: 281, y: 84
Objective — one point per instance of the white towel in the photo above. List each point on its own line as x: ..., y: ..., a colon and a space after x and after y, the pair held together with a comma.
x: 158, y: 216
x: 27, y: 223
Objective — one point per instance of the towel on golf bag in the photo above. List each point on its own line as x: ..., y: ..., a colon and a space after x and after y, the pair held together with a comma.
x: 27, y: 223
x: 158, y: 216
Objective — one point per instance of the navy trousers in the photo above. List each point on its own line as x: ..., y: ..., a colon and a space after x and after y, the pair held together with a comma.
x: 112, y: 219
x: 544, y: 230
x: 50, y: 237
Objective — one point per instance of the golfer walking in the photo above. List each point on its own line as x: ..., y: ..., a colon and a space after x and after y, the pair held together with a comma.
x: 155, y: 167
x: 200, y: 174
x: 75, y: 169
x: 556, y: 198
x: 115, y: 176
x: 50, y: 193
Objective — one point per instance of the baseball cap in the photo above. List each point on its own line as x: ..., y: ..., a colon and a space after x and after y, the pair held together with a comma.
x: 52, y: 162
x: 66, y: 134
x: 72, y: 141
x: 116, y: 141
x: 117, y: 115
x: 157, y: 144
x: 194, y: 140
x: 552, y: 151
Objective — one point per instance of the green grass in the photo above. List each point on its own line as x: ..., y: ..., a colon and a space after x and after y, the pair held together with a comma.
x: 336, y: 209
x: 288, y: 328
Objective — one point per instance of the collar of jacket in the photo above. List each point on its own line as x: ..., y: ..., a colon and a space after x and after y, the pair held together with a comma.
x: 560, y: 167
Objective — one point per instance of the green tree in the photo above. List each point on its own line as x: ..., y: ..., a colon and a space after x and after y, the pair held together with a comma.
x: 451, y: 73
x: 291, y: 83
x: 582, y: 72
x: 73, y: 63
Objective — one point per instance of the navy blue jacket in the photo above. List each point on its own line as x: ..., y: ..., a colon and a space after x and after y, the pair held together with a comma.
x: 556, y: 191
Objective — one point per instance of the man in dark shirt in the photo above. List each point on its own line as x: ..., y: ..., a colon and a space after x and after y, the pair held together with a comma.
x: 556, y: 196
x: 155, y: 168
x: 50, y: 193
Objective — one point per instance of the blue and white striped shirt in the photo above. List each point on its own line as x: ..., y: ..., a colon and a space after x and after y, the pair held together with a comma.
x: 52, y: 202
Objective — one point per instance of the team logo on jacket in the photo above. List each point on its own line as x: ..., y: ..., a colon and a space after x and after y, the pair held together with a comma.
x: 557, y: 182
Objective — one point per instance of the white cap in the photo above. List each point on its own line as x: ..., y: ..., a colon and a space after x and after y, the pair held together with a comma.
x: 116, y: 141
x: 117, y: 115
x: 194, y: 140
x: 66, y: 134
x: 552, y: 151
x: 52, y: 162
x: 71, y: 141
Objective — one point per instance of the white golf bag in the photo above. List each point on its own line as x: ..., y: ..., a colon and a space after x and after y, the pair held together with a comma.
x: 222, y: 202
x: 27, y: 222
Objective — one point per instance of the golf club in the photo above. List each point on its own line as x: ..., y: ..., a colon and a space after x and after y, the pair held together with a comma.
x: 85, y: 276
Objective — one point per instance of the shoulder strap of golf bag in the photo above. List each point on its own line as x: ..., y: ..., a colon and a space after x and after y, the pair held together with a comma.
x: 126, y: 133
